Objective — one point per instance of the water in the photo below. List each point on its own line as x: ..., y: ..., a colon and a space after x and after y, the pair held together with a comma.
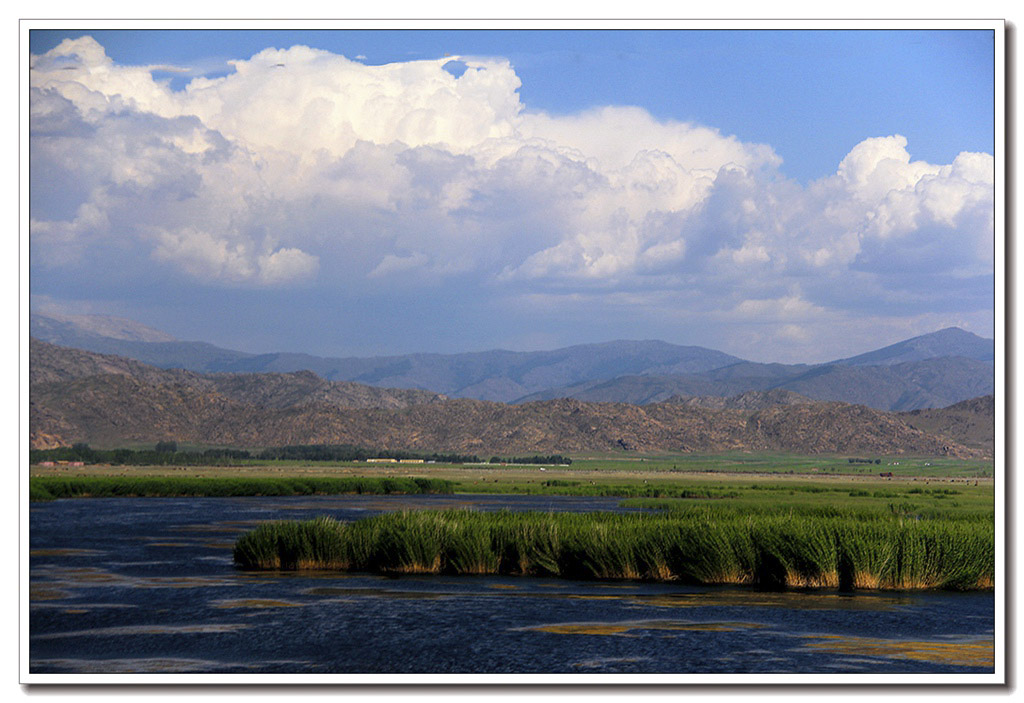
x: 145, y: 585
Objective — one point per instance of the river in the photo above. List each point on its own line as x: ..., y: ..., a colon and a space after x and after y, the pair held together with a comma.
x: 147, y: 585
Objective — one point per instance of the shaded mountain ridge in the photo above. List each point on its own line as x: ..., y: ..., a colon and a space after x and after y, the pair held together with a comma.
x: 911, y: 385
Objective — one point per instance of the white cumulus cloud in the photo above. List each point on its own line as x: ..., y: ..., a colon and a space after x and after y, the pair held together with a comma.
x: 304, y: 167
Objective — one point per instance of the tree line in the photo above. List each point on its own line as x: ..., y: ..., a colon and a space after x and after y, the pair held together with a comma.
x: 168, y: 453
x: 349, y: 452
x: 536, y: 459
x: 163, y: 453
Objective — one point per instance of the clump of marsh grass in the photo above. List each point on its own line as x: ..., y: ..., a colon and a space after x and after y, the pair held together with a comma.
x: 314, y: 544
x: 769, y: 551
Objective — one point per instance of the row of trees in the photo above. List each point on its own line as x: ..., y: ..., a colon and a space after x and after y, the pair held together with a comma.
x: 349, y: 452
x: 167, y: 453
x: 160, y: 455
x: 536, y: 459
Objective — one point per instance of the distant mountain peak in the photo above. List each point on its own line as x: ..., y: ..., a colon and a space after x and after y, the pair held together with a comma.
x: 950, y: 341
x: 946, y: 334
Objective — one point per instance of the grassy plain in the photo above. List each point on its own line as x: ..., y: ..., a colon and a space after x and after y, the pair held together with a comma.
x: 793, y: 464
x: 776, y: 481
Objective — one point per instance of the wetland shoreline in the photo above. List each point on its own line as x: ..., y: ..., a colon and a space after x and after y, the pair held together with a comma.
x: 772, y: 530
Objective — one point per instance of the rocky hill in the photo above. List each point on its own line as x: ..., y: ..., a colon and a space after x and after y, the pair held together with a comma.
x: 78, y: 393
x: 970, y: 422
x: 77, y: 396
x: 751, y: 400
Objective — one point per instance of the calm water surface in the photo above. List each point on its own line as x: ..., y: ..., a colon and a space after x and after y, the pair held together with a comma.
x: 125, y: 585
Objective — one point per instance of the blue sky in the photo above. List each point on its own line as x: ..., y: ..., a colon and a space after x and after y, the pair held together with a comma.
x: 774, y: 194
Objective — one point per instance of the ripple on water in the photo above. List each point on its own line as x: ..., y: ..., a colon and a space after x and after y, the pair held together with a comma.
x: 797, y: 600
x: 56, y: 578
x: 331, y: 591
x: 40, y: 592
x: 625, y: 628
x: 967, y: 652
x: 81, y: 607
x: 85, y: 575
x: 256, y: 603
x: 64, y: 552
x: 132, y: 630
x: 214, y: 544
x: 608, y: 662
x: 156, y: 665
x: 226, y: 527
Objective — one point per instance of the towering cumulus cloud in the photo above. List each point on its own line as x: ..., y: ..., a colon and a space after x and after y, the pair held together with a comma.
x: 306, y: 168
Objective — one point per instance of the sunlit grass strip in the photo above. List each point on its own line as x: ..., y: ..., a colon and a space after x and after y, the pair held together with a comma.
x: 881, y: 510
x: 767, y: 551
x: 51, y: 487
x: 621, y: 490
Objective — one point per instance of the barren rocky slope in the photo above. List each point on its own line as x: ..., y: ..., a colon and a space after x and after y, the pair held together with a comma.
x: 970, y: 422
x: 78, y: 396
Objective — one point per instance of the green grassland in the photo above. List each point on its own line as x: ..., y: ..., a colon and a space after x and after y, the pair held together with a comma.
x: 920, y: 483
x: 739, y: 462
x: 948, y: 498
x: 772, y: 463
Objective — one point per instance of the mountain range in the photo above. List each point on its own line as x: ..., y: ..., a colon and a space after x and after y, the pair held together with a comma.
x: 81, y: 396
x: 929, y: 371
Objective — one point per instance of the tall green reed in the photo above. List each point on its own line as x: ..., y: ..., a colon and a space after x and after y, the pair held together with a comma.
x: 699, y: 547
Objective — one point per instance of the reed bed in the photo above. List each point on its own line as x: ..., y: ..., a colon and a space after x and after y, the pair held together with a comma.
x: 886, y: 509
x: 768, y: 551
x: 52, y: 487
